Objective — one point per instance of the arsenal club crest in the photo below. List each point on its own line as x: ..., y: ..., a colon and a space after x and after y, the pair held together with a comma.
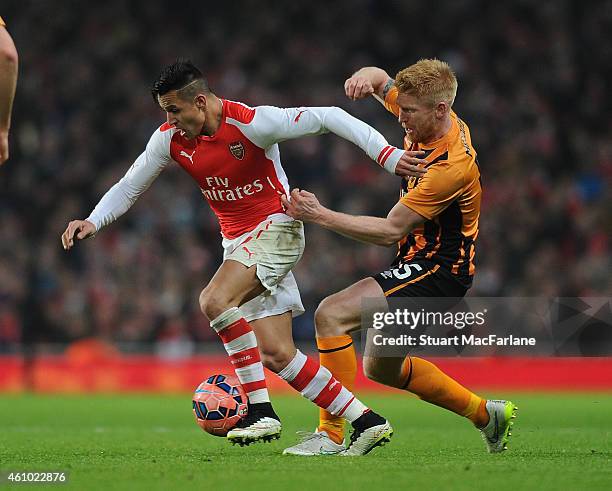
x: 237, y: 149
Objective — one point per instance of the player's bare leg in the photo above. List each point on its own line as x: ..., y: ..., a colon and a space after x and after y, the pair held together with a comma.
x: 340, y: 313
x: 232, y: 285
x: 275, y: 340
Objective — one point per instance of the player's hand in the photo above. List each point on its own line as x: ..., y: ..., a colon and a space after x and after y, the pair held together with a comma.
x: 77, y: 229
x: 302, y: 206
x: 4, y: 147
x: 410, y: 165
x: 358, y: 87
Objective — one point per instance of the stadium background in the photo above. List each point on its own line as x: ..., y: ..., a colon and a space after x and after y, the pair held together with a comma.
x: 533, y: 86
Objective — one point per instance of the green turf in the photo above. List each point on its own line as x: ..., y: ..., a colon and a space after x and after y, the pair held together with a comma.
x: 561, y: 441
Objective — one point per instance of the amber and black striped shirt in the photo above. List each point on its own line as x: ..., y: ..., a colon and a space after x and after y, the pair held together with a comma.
x: 448, y: 196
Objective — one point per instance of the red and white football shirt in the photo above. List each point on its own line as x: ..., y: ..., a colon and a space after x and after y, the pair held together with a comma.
x: 238, y: 169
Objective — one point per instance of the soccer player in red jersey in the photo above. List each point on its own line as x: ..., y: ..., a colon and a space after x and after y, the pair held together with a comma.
x: 436, y: 225
x: 231, y: 151
x: 8, y: 82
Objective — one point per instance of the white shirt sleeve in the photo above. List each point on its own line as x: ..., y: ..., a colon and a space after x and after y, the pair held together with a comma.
x: 136, y: 181
x: 273, y: 125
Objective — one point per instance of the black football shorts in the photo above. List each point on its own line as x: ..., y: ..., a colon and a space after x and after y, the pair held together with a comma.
x: 420, y: 278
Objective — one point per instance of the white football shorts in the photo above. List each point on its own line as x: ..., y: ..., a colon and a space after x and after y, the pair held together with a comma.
x: 274, y: 247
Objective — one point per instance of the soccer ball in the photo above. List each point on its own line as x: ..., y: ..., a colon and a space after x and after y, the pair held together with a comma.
x: 219, y: 403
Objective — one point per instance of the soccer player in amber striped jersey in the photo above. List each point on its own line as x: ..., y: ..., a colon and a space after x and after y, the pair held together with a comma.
x: 436, y: 225
x: 448, y: 197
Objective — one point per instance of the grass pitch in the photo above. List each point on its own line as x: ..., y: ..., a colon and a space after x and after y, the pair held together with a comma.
x: 560, y: 441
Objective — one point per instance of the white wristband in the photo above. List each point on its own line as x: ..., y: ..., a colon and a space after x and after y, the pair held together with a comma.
x: 389, y: 159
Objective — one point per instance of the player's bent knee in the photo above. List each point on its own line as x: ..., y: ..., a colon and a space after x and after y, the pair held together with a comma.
x: 329, y: 320
x: 212, y: 305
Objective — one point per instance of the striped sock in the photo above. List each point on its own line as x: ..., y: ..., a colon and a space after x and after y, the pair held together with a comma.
x: 241, y: 345
x: 316, y: 383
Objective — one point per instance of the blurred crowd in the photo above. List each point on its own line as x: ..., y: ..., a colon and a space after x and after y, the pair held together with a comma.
x: 533, y: 87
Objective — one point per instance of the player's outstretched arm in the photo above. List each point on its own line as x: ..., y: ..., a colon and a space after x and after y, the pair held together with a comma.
x: 274, y: 125
x: 8, y: 82
x: 374, y: 230
x: 77, y: 229
x: 368, y: 81
x: 119, y: 198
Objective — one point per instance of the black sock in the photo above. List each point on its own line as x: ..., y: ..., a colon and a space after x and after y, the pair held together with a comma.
x: 367, y: 420
x: 263, y: 408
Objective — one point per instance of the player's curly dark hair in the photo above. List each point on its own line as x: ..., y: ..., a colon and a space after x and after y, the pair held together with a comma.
x: 177, y: 76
